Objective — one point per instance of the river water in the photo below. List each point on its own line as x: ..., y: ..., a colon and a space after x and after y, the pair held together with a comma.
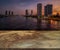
x: 20, y: 22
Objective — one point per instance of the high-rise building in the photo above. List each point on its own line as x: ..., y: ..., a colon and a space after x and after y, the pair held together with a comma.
x: 39, y: 14
x: 39, y: 9
x: 6, y: 12
x: 9, y: 13
x: 26, y: 12
x: 31, y: 12
x: 48, y: 10
x: 12, y: 13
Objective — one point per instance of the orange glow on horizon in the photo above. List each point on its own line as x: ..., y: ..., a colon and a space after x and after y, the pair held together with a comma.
x: 56, y: 9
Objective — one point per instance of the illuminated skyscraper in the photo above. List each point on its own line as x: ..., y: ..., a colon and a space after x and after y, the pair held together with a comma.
x: 48, y: 10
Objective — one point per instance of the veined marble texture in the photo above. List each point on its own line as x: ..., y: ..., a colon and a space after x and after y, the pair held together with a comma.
x: 29, y: 39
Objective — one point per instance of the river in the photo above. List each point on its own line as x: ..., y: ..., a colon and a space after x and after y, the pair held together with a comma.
x: 21, y: 23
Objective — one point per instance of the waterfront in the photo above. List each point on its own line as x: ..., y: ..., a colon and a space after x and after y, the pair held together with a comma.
x: 21, y: 23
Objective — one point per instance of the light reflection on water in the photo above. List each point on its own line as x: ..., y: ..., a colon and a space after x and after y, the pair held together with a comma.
x: 18, y: 22
x: 55, y: 24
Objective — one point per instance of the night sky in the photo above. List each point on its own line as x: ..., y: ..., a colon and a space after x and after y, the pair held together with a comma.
x: 19, y: 6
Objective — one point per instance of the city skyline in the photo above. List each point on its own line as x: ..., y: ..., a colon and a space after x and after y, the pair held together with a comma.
x: 19, y: 6
x: 48, y: 9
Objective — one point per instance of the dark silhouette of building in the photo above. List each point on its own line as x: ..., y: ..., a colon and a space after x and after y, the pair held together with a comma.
x: 6, y: 13
x: 39, y: 14
x: 12, y: 13
x: 9, y: 13
x: 31, y: 12
x: 48, y: 10
x: 26, y: 13
x: 39, y: 9
x: 57, y: 15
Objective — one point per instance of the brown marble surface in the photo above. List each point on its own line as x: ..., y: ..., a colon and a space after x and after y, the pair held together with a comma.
x: 29, y: 39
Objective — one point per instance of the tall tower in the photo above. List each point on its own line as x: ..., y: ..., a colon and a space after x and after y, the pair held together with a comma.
x: 39, y: 14
x: 26, y: 13
x: 48, y: 10
x: 6, y: 12
x: 9, y: 13
x: 31, y: 12
x: 39, y: 9
x: 12, y: 13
